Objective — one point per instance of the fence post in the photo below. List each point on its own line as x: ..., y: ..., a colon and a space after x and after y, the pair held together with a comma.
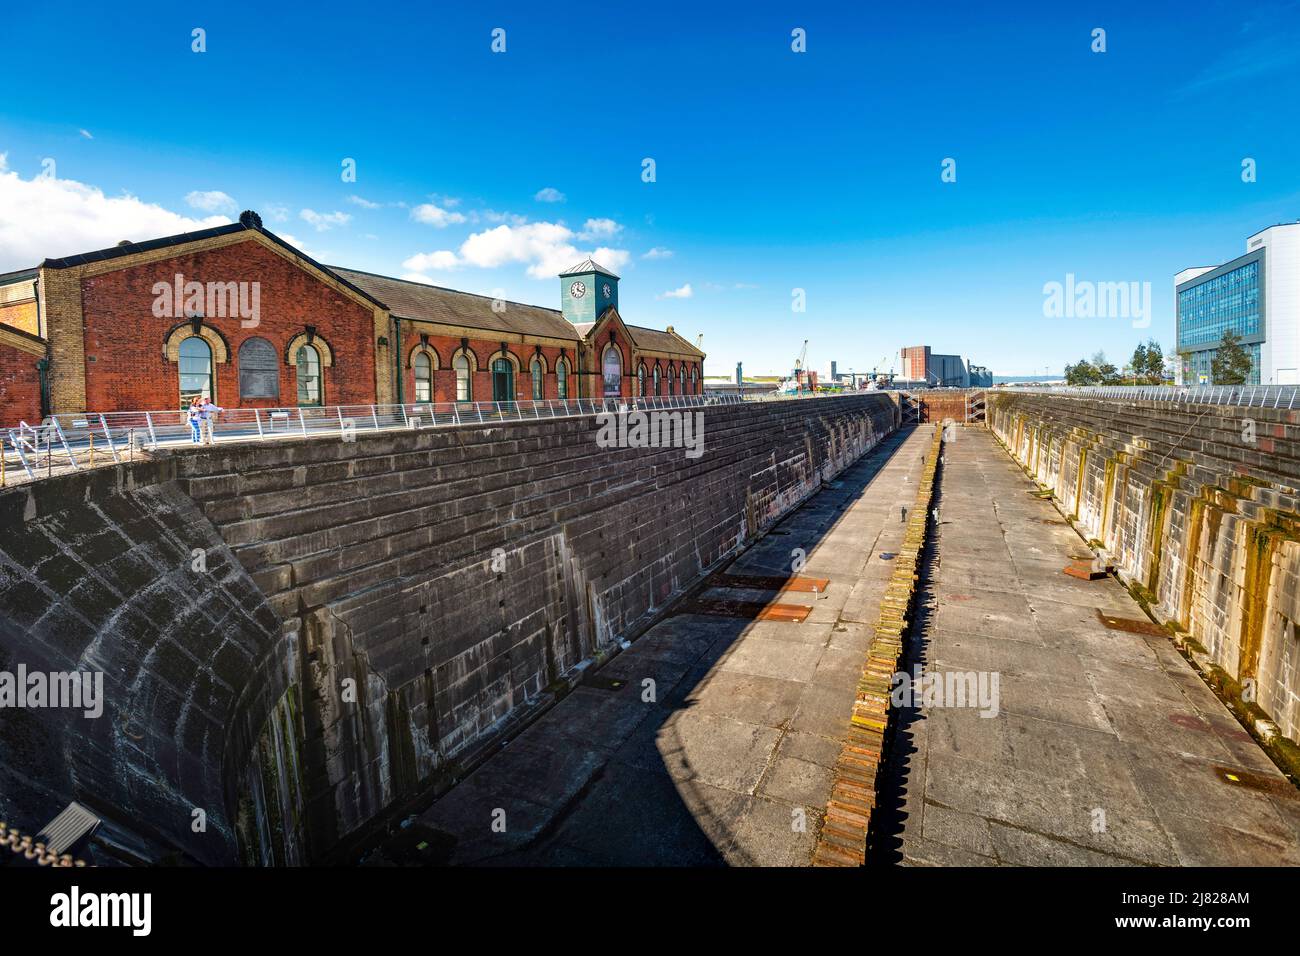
x: 108, y: 436
x: 153, y: 439
x: 303, y: 422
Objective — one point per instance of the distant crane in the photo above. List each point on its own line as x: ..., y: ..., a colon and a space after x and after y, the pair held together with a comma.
x: 799, y: 367
x: 699, y: 340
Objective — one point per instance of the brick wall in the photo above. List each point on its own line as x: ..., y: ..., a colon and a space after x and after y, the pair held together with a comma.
x: 484, y: 350
x: 20, y: 389
x: 21, y: 315
x: 125, y: 363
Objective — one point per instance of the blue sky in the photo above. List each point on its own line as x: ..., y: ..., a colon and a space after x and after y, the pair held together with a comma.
x: 775, y: 170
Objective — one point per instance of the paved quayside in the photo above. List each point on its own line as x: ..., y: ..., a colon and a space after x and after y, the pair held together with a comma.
x: 1108, y: 749
x: 731, y: 762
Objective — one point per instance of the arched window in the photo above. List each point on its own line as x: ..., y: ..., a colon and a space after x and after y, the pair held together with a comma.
x: 681, y: 378
x: 464, y: 388
x: 195, y: 369
x: 672, y: 380
x: 695, y: 380
x: 536, y: 369
x: 562, y: 378
x: 503, y: 380
x: 640, y: 379
x: 613, y: 371
x: 259, y: 370
x: 656, y: 391
x: 309, y: 390
x: 423, y: 377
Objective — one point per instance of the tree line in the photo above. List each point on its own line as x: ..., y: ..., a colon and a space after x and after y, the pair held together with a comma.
x: 1230, y: 366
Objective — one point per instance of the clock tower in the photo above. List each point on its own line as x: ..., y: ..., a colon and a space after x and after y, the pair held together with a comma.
x: 586, y: 291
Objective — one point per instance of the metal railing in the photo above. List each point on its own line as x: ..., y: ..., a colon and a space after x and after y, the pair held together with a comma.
x: 75, y: 441
x: 1257, y: 396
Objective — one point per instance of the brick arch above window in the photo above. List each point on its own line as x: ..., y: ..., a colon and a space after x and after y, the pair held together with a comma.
x: 469, y: 354
x: 511, y: 357
x: 319, y: 344
x: 540, y: 357
x: 184, y: 330
x: 428, y: 350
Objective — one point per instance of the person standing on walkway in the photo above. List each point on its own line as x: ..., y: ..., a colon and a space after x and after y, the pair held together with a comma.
x: 194, y: 414
x: 210, y: 410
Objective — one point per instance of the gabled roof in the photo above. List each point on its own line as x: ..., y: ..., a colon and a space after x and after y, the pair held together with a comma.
x: 648, y: 340
x: 431, y: 303
x: 248, y: 222
x: 588, y: 265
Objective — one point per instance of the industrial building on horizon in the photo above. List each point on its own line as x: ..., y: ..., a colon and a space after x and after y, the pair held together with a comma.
x: 923, y: 367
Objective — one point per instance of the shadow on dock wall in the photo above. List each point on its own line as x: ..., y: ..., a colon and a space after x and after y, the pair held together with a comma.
x: 299, y: 638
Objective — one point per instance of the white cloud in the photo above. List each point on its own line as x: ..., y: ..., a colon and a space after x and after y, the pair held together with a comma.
x: 363, y: 203
x: 441, y: 261
x: 85, y: 133
x: 658, y: 252
x: 547, y: 249
x: 434, y: 215
x: 685, y: 292
x: 212, y: 200
x: 324, y: 220
x: 549, y: 194
x: 491, y: 215
x: 276, y: 212
x: 302, y: 246
x: 50, y: 217
x: 599, y: 229
x: 615, y: 259
x: 416, y: 277
x: 4, y: 162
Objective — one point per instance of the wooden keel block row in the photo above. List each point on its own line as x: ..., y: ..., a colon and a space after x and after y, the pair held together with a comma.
x: 843, y: 837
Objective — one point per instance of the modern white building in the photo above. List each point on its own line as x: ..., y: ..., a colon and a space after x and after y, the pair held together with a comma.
x: 1257, y: 296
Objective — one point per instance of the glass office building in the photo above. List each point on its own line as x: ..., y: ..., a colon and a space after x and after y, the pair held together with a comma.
x: 1226, y: 299
x: 1256, y: 297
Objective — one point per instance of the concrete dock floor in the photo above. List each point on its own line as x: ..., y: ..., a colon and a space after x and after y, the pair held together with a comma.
x: 1106, y: 747
x: 730, y: 762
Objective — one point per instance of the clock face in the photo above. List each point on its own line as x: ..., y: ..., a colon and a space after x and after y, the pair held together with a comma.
x: 605, y: 289
x: 577, y: 290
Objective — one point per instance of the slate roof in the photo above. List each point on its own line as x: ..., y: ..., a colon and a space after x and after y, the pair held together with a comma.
x: 431, y: 303
x: 649, y: 340
x: 653, y: 340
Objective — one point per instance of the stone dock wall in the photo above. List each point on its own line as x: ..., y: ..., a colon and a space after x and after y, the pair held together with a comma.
x: 1197, y: 507
x: 298, y: 637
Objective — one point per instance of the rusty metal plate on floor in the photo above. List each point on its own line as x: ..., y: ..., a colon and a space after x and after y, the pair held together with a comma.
x: 752, y: 610
x: 1084, y: 570
x: 1131, y: 625
x: 1236, y: 777
x: 759, y: 582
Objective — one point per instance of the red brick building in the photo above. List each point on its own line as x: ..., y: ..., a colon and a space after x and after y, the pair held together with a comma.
x: 238, y: 314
